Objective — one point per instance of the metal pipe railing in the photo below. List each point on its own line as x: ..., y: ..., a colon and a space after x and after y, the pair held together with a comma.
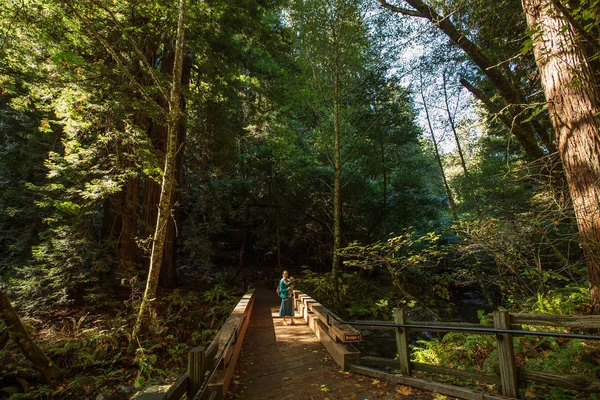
x: 483, y: 331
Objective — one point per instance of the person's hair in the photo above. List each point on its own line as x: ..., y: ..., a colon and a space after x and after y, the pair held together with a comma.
x: 284, y: 271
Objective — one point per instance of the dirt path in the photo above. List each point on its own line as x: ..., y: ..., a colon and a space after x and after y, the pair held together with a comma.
x: 288, y: 362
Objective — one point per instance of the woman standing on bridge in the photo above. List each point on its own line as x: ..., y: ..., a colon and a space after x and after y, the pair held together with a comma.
x: 287, y: 304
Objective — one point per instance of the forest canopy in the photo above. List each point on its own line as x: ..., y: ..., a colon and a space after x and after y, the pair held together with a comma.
x: 392, y: 154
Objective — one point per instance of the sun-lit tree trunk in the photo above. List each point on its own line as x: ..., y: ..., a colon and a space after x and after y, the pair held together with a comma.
x: 451, y: 203
x: 19, y: 335
x: 461, y: 154
x: 168, y: 178
x: 573, y: 101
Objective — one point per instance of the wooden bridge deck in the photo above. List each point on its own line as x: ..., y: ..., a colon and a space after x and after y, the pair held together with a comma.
x: 288, y: 362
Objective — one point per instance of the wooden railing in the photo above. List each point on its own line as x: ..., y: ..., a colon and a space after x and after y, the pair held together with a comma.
x: 210, y: 370
x: 506, y: 325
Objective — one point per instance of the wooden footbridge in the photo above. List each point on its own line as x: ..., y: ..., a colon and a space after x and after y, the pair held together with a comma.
x: 256, y: 356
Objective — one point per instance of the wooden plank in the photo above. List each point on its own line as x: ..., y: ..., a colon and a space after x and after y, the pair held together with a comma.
x: 307, y: 303
x: 459, y: 373
x: 344, y: 333
x: 237, y: 348
x: 402, y: 342
x: 195, y: 370
x: 313, y: 304
x: 178, y: 389
x: 154, y: 392
x: 216, y: 384
x: 321, y: 312
x: 343, y: 354
x: 311, y: 319
x: 573, y: 321
x: 575, y: 382
x: 506, y: 356
x: 380, y: 361
x: 233, y: 321
x: 308, y: 300
x: 442, y: 388
x: 433, y: 369
x: 222, y: 381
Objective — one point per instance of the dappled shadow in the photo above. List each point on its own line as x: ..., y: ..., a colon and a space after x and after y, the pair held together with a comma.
x: 288, y: 362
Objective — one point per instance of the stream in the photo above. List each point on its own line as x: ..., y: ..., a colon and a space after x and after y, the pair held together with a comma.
x: 382, y: 343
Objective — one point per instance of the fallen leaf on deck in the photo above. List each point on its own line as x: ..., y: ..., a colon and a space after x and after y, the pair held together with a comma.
x: 286, y: 378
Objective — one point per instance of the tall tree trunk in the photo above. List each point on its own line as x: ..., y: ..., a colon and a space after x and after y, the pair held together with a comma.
x: 168, y: 178
x: 337, y: 185
x: 127, y: 242
x: 573, y: 101
x: 169, y: 264
x: 19, y: 335
x: 460, y: 151
x: 451, y: 203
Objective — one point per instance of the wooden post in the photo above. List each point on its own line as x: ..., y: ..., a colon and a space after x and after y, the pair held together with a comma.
x: 506, y: 356
x: 402, y: 342
x: 196, y: 365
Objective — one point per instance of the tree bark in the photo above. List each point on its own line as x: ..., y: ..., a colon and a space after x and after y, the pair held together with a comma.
x: 509, y: 92
x: 337, y: 185
x: 460, y: 151
x: 573, y: 101
x: 168, y: 179
x: 451, y: 203
x: 169, y: 265
x: 19, y: 335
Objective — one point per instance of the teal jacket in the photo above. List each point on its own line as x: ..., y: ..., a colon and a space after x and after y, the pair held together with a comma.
x: 283, y: 288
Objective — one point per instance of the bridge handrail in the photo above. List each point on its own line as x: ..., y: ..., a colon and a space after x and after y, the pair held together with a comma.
x: 424, y: 327
x: 504, y: 326
x: 503, y: 330
x: 206, y: 364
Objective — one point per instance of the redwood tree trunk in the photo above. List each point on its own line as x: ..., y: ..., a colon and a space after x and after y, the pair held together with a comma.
x: 19, y: 335
x: 573, y: 101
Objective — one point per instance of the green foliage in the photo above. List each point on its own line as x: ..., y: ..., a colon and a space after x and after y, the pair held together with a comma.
x: 457, y: 350
x: 410, y: 265
x: 216, y: 293
x: 572, y: 299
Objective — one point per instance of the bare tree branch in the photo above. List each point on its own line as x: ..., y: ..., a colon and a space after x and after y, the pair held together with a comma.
x: 405, y: 11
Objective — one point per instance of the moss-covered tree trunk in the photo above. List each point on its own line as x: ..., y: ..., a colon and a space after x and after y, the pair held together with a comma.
x: 19, y: 335
x: 168, y: 178
x: 573, y: 101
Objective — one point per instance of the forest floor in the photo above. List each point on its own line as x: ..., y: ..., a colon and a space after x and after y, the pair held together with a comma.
x: 282, y: 361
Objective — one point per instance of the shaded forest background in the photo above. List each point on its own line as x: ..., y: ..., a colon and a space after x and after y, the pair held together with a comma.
x: 387, y: 154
